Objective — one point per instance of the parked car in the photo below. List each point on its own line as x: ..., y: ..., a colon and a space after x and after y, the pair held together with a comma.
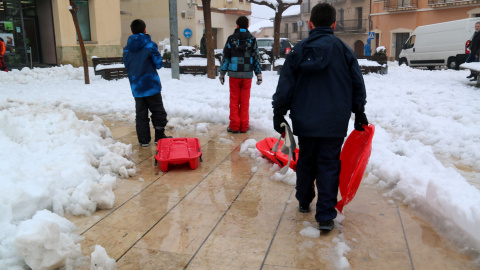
x: 266, y: 44
x: 441, y: 44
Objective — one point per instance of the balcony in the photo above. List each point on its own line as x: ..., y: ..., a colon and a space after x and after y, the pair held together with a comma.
x: 400, y: 5
x: 352, y: 26
x: 445, y: 3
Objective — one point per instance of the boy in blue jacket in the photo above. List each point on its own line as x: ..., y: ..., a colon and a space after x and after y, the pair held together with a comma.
x: 142, y: 59
x: 321, y: 84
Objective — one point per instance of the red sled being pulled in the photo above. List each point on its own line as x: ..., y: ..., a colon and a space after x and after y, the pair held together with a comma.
x: 354, y: 156
x: 178, y: 151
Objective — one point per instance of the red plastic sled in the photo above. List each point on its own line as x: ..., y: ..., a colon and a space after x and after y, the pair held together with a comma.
x: 178, y: 151
x: 265, y: 147
x: 354, y: 156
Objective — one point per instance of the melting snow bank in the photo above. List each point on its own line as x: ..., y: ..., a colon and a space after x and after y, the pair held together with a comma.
x: 52, y: 162
x: 440, y: 193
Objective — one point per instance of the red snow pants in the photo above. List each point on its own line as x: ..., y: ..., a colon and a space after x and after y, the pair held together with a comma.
x: 239, y: 103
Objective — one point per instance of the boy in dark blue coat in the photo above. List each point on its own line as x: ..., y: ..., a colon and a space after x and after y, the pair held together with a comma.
x: 321, y: 84
x: 142, y: 59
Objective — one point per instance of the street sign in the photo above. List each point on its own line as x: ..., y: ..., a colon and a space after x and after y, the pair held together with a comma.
x: 187, y: 32
x: 371, y: 35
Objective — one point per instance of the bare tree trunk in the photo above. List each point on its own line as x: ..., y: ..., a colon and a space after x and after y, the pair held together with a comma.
x: 276, y: 33
x: 73, y: 11
x: 279, y: 9
x: 207, y: 17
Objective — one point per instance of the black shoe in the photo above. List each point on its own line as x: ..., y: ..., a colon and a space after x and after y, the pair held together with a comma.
x: 474, y: 79
x: 304, y: 207
x: 245, y: 130
x: 160, y: 134
x: 327, y: 225
x: 470, y: 76
x: 145, y: 144
x: 231, y: 130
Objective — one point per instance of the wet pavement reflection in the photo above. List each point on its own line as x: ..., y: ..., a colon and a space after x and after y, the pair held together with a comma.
x: 224, y: 215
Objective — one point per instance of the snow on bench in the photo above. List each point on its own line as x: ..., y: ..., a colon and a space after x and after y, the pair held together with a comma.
x: 474, y: 67
x: 101, y: 67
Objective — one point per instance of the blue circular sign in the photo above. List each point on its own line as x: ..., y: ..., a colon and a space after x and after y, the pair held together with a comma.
x: 187, y: 32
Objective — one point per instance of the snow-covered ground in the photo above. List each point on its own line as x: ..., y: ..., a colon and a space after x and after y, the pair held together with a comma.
x: 426, y: 150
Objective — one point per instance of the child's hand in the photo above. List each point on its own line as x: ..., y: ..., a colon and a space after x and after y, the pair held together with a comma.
x: 222, y: 79
x: 259, y: 79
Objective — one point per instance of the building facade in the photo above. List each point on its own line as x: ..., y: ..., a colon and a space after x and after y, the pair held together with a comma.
x: 189, y: 16
x: 352, y: 20
x: 42, y: 32
x: 394, y: 20
x: 292, y: 26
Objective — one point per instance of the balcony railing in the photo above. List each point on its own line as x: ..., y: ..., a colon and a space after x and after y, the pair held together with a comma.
x: 442, y: 3
x: 352, y: 26
x: 393, y: 5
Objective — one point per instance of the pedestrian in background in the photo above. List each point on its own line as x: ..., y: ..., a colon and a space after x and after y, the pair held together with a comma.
x: 3, y: 49
x: 474, y: 48
x: 321, y: 85
x: 203, y: 44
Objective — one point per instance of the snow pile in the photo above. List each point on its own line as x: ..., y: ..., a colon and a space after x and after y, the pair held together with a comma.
x: 424, y: 151
x: 341, y: 248
x: 52, y: 160
x: 101, y: 260
x: 47, y: 240
x: 310, y: 231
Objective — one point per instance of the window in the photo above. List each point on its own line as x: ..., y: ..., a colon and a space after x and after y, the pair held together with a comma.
x: 410, y: 43
x: 83, y: 16
x: 359, y: 17
x: 295, y: 27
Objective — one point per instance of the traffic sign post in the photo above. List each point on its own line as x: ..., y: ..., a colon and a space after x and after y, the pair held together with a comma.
x: 188, y: 34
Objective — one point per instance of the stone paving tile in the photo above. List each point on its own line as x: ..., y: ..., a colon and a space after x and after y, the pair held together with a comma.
x: 225, y: 215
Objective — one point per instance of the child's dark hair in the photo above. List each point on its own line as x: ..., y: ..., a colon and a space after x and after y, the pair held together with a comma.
x: 242, y: 22
x: 1, y: 39
x: 138, y: 26
x: 323, y: 14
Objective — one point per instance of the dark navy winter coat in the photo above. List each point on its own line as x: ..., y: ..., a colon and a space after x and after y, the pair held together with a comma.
x: 321, y: 84
x: 142, y: 59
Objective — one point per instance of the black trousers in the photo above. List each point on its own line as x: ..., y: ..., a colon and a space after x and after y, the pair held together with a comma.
x: 159, y: 117
x: 319, y: 159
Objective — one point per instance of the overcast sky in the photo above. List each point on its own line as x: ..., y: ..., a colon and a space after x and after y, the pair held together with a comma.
x: 260, y: 12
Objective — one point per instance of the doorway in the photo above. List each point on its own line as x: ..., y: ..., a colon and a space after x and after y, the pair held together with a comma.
x: 400, y: 39
x: 359, y: 48
x: 31, y: 39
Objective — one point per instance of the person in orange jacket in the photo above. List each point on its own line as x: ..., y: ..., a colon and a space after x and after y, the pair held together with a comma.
x: 3, y: 48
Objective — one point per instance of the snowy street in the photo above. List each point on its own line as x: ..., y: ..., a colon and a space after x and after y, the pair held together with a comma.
x: 68, y: 150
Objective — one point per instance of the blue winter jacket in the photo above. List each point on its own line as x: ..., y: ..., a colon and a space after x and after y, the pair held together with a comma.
x: 321, y: 84
x: 142, y: 59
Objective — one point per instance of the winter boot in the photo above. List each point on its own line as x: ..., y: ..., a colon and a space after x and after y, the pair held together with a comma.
x: 327, y: 225
x: 160, y: 134
x: 304, y: 207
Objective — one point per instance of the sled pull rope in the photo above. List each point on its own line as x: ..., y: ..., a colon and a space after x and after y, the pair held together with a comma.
x: 288, y: 146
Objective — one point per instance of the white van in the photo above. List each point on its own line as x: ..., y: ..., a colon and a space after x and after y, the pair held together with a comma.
x: 440, y: 44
